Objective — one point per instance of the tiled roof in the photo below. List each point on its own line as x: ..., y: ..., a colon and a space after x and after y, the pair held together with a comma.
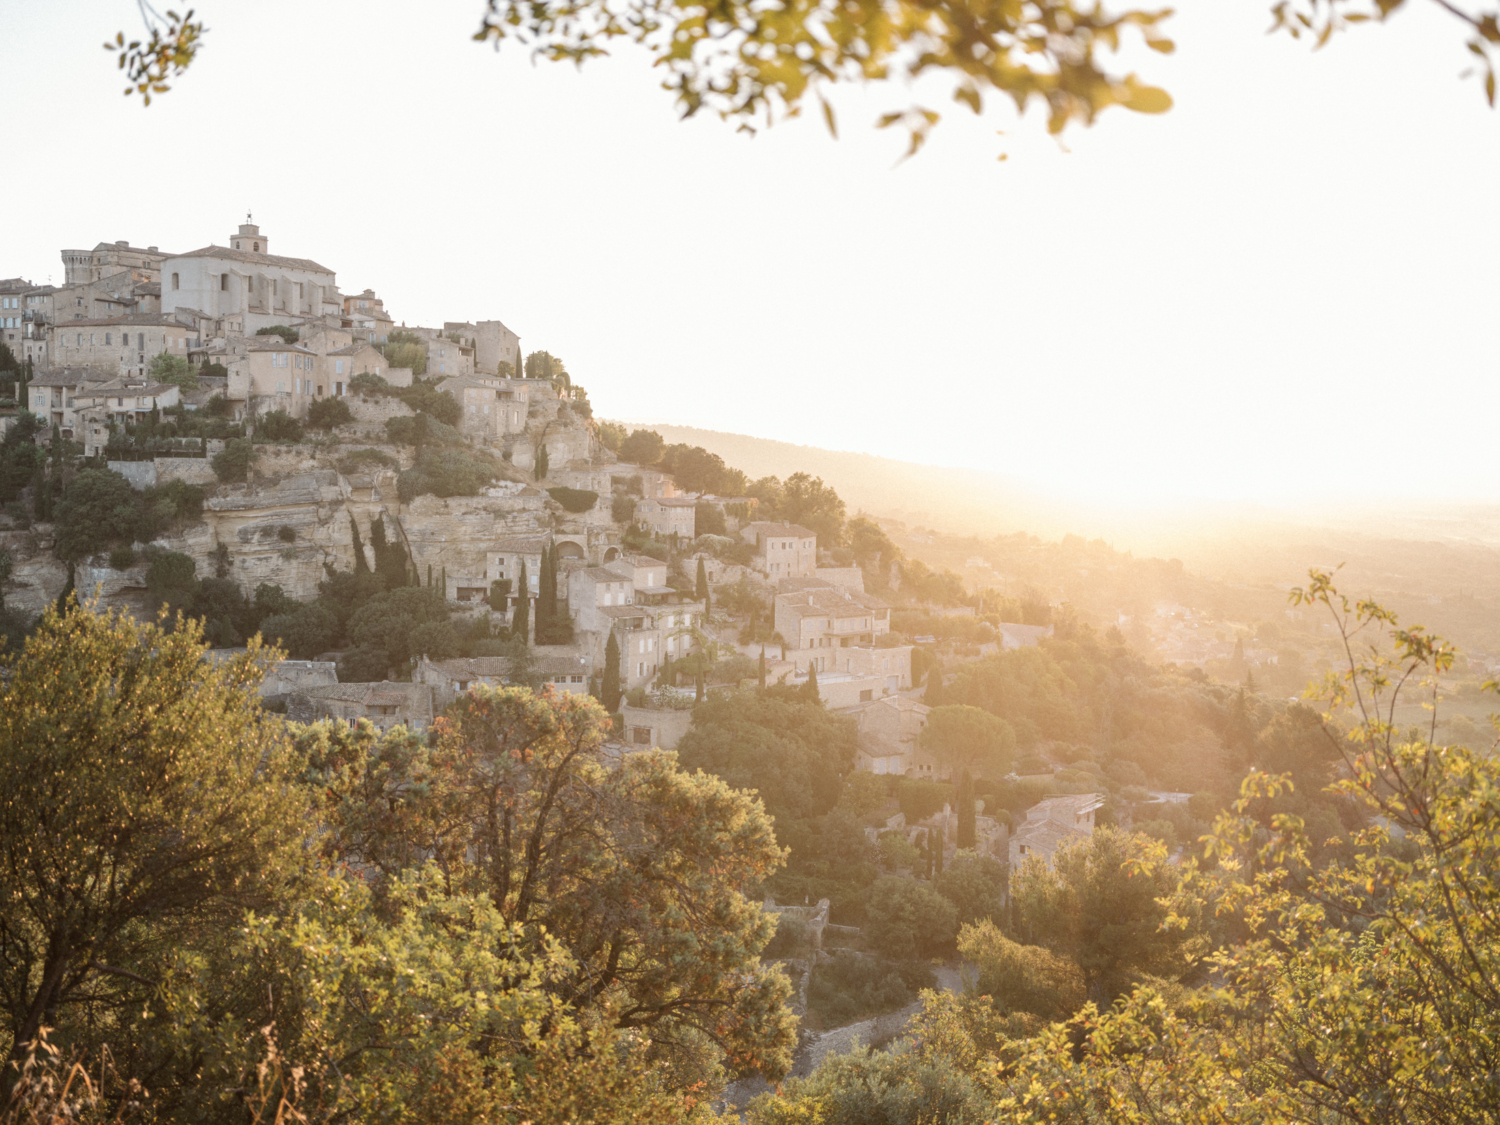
x: 783, y: 530
x: 383, y: 694
x: 248, y: 257
x: 474, y: 667
x: 829, y: 602
x: 67, y: 377
x: 144, y: 320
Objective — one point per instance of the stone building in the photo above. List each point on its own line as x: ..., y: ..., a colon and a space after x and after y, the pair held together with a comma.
x: 490, y: 408
x: 386, y: 704
x: 52, y: 395
x: 266, y: 374
x: 366, y: 317
x: 594, y: 588
x: 120, y: 345
x: 448, y: 679
x: 890, y: 736
x: 107, y: 259
x: 674, y: 515
x: 494, y: 343
x: 819, y: 619
x: 1052, y: 823
x: 243, y: 287
x: 125, y: 402
x: 782, y: 550
x: 449, y: 357
x: 647, y: 727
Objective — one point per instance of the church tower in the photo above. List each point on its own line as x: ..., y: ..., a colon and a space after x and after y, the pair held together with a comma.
x: 249, y: 238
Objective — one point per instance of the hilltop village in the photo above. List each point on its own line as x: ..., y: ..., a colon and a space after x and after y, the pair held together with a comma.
x: 307, y: 464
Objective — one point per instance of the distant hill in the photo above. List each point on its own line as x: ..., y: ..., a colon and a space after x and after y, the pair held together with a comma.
x: 1444, y: 558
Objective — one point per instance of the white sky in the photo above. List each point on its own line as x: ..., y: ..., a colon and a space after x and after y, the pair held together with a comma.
x: 1285, y: 286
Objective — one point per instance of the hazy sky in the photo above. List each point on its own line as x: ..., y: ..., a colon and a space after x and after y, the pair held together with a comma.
x: 1286, y: 285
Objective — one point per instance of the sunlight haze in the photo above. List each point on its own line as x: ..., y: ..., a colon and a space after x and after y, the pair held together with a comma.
x: 1283, y: 288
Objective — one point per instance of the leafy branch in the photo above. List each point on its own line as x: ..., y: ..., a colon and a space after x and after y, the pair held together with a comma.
x: 173, y: 44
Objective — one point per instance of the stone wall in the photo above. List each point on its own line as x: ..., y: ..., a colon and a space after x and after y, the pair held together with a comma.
x: 140, y: 474
x: 376, y: 408
x: 193, y: 470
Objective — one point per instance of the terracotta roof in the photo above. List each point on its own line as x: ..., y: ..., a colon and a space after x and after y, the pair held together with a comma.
x: 247, y: 256
x: 829, y: 602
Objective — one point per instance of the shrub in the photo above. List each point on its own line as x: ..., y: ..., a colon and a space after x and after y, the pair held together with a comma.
x: 122, y: 558
x: 849, y: 986
x: 921, y: 799
x: 574, y: 499
x: 908, y: 918
x: 789, y: 940
x: 364, y: 665
x: 304, y: 632
x: 446, y: 472
x: 361, y: 459
x: 366, y: 383
x: 975, y: 885
x: 286, y: 534
x: 327, y: 413
x: 98, y: 509
x: 1022, y: 978
x: 425, y: 398
x: 278, y: 425
x: 421, y: 429
x: 171, y: 581
x: 897, y: 851
x: 708, y: 520
x: 232, y: 465
x: 290, y: 335
x: 622, y: 508
x: 176, y: 502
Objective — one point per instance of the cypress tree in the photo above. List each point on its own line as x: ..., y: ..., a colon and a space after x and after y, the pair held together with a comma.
x: 933, y: 696
x: 810, y: 689
x: 429, y: 576
x: 378, y: 547
x: 762, y: 667
x: 927, y: 852
x: 964, y: 798
x: 610, y: 690
x: 63, y: 605
x: 546, y: 597
x: 39, y: 492
x: 445, y: 583
x: 361, y: 566
x: 26, y: 378
x: 522, y: 617
x: 937, y: 855
x: 702, y: 582
x: 698, y: 686
x: 541, y: 463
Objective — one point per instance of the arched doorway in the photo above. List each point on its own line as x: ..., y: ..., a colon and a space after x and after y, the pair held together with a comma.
x: 612, y: 554
x: 567, y: 549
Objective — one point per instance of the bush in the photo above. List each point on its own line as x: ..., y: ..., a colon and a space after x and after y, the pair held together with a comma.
x: 98, y: 509
x: 975, y: 885
x: 447, y: 472
x: 232, y: 465
x: 278, y: 425
x: 1022, y: 978
x: 362, y: 459
x: 122, y: 558
x: 364, y: 665
x: 849, y: 986
x: 425, y: 398
x: 622, y: 508
x: 286, y: 534
x: 921, y: 799
x: 304, y: 632
x: 908, y: 919
x: 366, y: 383
x: 290, y: 335
x: 421, y: 429
x: 574, y: 499
x: 171, y: 582
x: 326, y: 413
x: 789, y: 940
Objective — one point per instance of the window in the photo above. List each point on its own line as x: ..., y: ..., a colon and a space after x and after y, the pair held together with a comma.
x: 338, y: 367
x: 80, y: 339
x: 106, y: 339
x: 140, y: 341
x: 224, y: 283
x: 299, y: 290
x: 338, y: 389
x: 280, y: 387
x: 174, y: 281
x: 297, y: 386
x: 255, y: 246
x: 866, y: 696
x: 641, y: 736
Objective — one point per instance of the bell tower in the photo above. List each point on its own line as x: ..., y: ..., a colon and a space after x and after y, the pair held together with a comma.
x: 249, y: 238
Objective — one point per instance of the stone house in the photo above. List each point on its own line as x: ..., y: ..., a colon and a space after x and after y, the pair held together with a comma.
x: 593, y: 588
x: 125, y: 402
x: 120, y: 345
x: 489, y: 408
x: 107, y: 259
x: 355, y: 359
x: 510, y: 553
x: 782, y: 550
x: 449, y: 357
x: 817, y: 619
x: 385, y: 704
x: 646, y: 727
x: 367, y: 319
x: 244, y: 287
x: 494, y: 343
x: 52, y: 395
x: 266, y: 374
x: 1052, y: 823
x: 890, y: 738
x: 448, y: 679
x: 669, y: 515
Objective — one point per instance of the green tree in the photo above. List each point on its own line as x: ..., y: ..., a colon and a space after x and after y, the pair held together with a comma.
x: 701, y: 590
x: 287, y: 333
x: 98, y: 509
x: 609, y: 690
x: 179, y: 809
x: 173, y: 369
x: 807, y: 501
x: 1101, y: 904
x: 963, y: 804
x: 908, y: 918
x: 304, y: 632
x: 975, y: 884
x: 642, y: 447
x: 171, y: 583
x: 361, y: 564
x: 326, y: 413
x: 515, y: 805
x: 611, y: 436
x: 232, y: 463
x: 810, y: 688
x: 969, y: 740
x: 541, y: 463
x: 389, y: 621
x: 520, y: 622
x: 278, y: 425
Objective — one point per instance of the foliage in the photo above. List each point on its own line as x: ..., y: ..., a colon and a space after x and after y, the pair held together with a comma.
x: 326, y: 413
x: 179, y: 816
x: 363, y: 460
x: 173, y: 369
x: 609, y: 691
x: 171, y: 582
x: 369, y: 383
x: 447, y: 471
x: 642, y: 447
x: 543, y: 463
x: 304, y: 632
x: 1021, y: 978
x: 424, y: 398
x: 389, y: 621
x: 804, y: 500
x: 543, y: 365
x: 122, y: 558
x: 849, y: 986
x: 920, y: 799
x: 574, y: 499
x: 98, y: 509
x: 1101, y: 904
x: 908, y: 918
x: 622, y: 508
x: 695, y: 469
x: 405, y: 349
x: 169, y: 51
x: 19, y: 455
x: 708, y: 519
x: 277, y: 425
x: 967, y: 739
x: 611, y: 436
x: 975, y: 884
x: 517, y: 809
x: 906, y: 1085
x: 289, y: 334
